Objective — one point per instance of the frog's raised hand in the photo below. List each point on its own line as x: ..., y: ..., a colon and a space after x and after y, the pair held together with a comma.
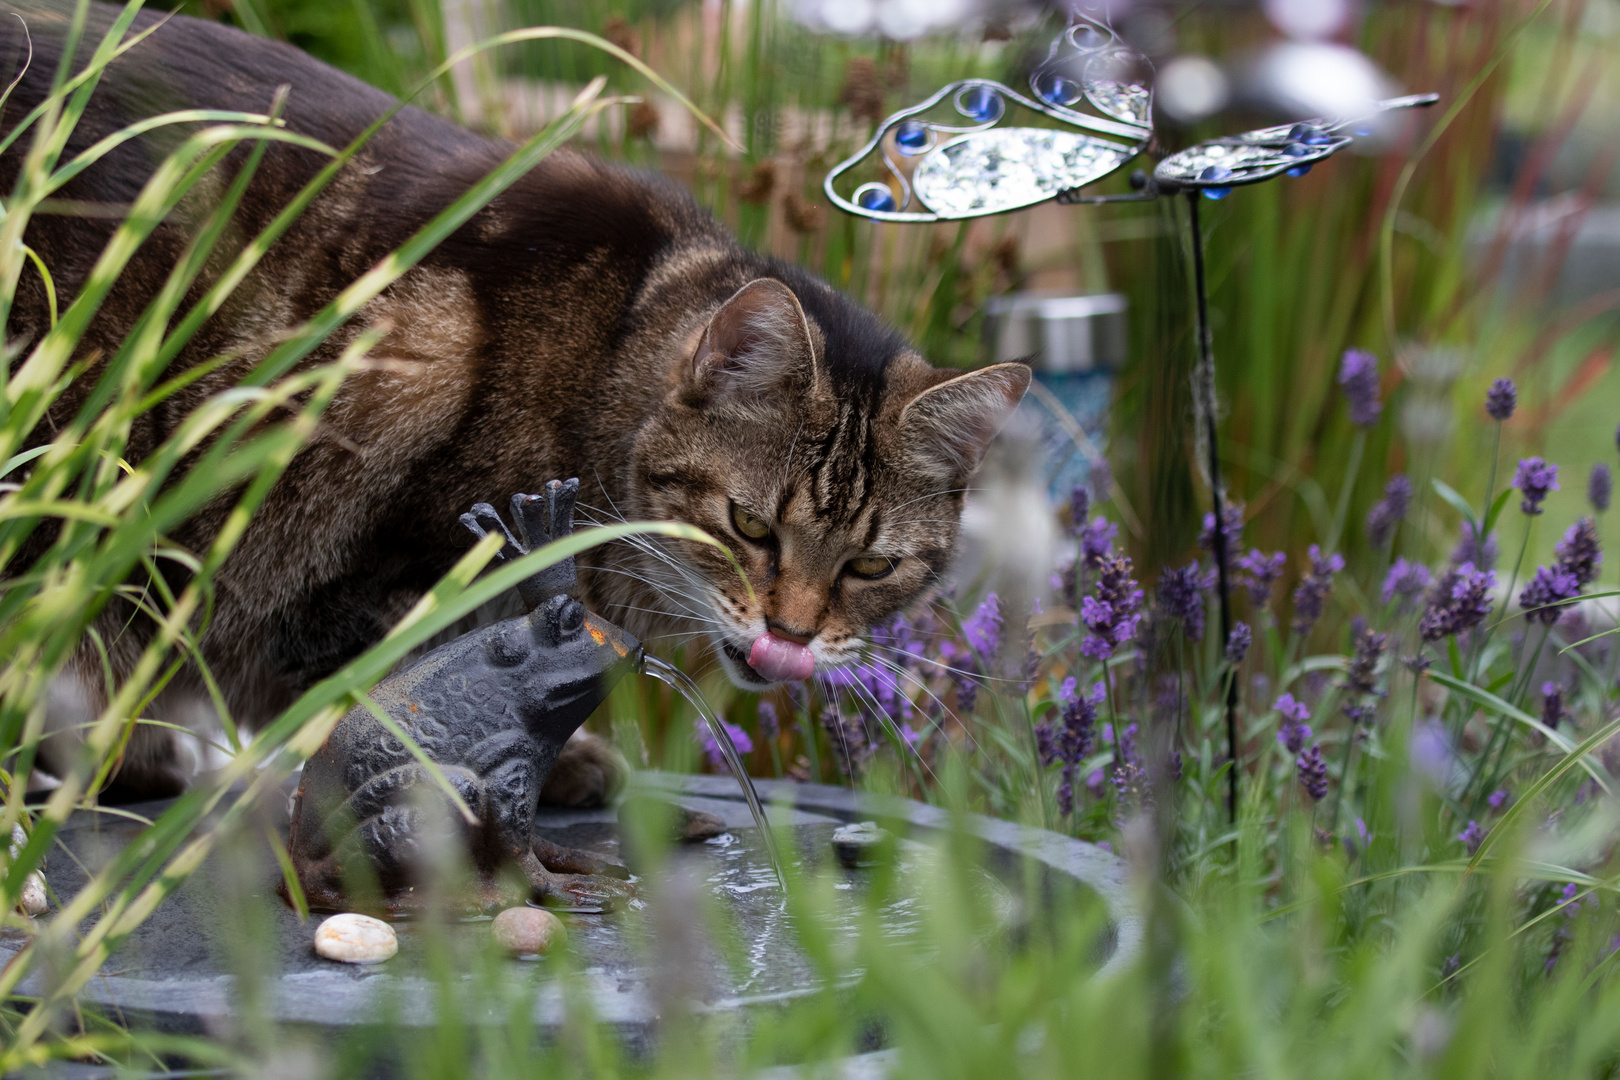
x: 539, y: 519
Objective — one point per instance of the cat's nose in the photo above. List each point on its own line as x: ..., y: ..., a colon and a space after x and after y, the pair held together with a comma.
x: 795, y: 636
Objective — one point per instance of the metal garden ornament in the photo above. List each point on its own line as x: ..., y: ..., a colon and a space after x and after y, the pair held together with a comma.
x: 1090, y: 111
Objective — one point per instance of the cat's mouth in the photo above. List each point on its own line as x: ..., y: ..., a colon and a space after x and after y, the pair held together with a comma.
x: 740, y: 670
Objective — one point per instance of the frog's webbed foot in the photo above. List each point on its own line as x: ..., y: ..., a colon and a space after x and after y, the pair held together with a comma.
x: 539, y: 519
x: 567, y: 860
x: 587, y: 892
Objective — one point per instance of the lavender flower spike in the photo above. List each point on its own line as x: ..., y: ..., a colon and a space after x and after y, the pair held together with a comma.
x: 1406, y: 580
x: 1258, y: 572
x: 1599, y: 486
x: 1181, y: 596
x: 1472, y: 836
x: 1580, y: 552
x: 1238, y: 642
x: 1534, y: 479
x: 1112, y: 613
x: 1544, y: 599
x: 982, y: 629
x: 1313, y: 773
x: 1358, y: 374
x: 1231, y: 527
x: 1389, y: 511
x: 1312, y: 593
x: 1293, y: 731
x: 1501, y: 399
x: 1459, y: 601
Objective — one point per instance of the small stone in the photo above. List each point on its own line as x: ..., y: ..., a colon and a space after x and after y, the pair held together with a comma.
x: 356, y: 939
x: 857, y: 844
x: 33, y: 902
x: 526, y: 931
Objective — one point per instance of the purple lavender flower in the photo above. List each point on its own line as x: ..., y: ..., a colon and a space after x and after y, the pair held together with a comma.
x: 711, y: 745
x: 1181, y: 596
x: 1501, y: 399
x: 1358, y: 374
x: 1313, y: 773
x: 1231, y: 525
x: 1472, y: 836
x: 1566, y: 900
x: 1405, y: 580
x: 1312, y: 592
x: 1111, y: 614
x: 1580, y: 552
x: 1552, y: 705
x: 1069, y: 742
x: 1543, y: 599
x: 982, y: 629
x: 1079, y: 509
x: 1459, y: 601
x: 1293, y: 730
x: 1258, y: 572
x: 1097, y: 541
x: 1389, y: 511
x: 1238, y: 642
x: 1599, y: 486
x: 1361, y: 680
x: 1498, y: 798
x: 1534, y: 479
x: 1470, y: 550
x: 769, y: 725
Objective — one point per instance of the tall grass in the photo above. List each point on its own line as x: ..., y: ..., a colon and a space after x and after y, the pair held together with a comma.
x: 107, y: 517
x: 1290, y: 942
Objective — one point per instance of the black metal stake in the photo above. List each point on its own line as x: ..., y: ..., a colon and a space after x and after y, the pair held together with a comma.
x: 1205, y: 378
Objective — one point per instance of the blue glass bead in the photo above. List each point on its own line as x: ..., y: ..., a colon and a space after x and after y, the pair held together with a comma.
x: 911, y: 137
x: 875, y: 197
x: 1298, y: 150
x: 1054, y: 89
x: 979, y: 103
x: 1216, y: 172
x: 1309, y: 134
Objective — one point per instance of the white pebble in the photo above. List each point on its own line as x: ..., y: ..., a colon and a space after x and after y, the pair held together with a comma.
x: 525, y: 931
x: 33, y: 901
x: 356, y: 939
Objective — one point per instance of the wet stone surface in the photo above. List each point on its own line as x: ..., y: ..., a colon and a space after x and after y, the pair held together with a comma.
x: 172, y: 973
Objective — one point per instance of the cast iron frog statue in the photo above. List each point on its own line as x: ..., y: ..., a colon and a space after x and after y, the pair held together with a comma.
x: 492, y: 709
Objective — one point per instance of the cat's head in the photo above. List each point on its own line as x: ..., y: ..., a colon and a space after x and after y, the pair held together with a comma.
x: 832, y: 465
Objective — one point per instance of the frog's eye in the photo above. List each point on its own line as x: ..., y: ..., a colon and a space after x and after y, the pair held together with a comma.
x: 871, y: 567
x: 750, y: 525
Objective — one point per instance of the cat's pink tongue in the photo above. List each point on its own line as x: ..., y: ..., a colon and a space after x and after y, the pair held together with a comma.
x: 780, y: 660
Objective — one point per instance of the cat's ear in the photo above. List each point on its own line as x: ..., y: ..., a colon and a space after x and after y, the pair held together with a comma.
x: 757, y: 344
x: 947, y: 428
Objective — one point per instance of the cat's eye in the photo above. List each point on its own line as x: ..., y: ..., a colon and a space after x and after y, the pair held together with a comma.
x: 750, y: 525
x: 870, y: 567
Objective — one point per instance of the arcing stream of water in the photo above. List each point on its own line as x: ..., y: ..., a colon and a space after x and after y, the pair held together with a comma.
x: 683, y: 685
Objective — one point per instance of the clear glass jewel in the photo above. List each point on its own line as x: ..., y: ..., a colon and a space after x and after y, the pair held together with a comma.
x: 1007, y: 168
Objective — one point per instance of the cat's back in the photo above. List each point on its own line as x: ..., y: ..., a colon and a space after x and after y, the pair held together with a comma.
x: 568, y: 208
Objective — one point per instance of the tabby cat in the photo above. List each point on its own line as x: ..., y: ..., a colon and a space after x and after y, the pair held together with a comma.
x: 592, y: 322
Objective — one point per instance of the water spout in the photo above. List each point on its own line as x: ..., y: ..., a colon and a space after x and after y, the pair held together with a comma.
x: 683, y: 685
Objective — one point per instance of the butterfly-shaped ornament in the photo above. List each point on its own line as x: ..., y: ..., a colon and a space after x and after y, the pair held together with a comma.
x: 950, y: 157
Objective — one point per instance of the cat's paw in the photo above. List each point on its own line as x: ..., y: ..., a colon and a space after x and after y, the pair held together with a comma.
x: 588, y: 773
